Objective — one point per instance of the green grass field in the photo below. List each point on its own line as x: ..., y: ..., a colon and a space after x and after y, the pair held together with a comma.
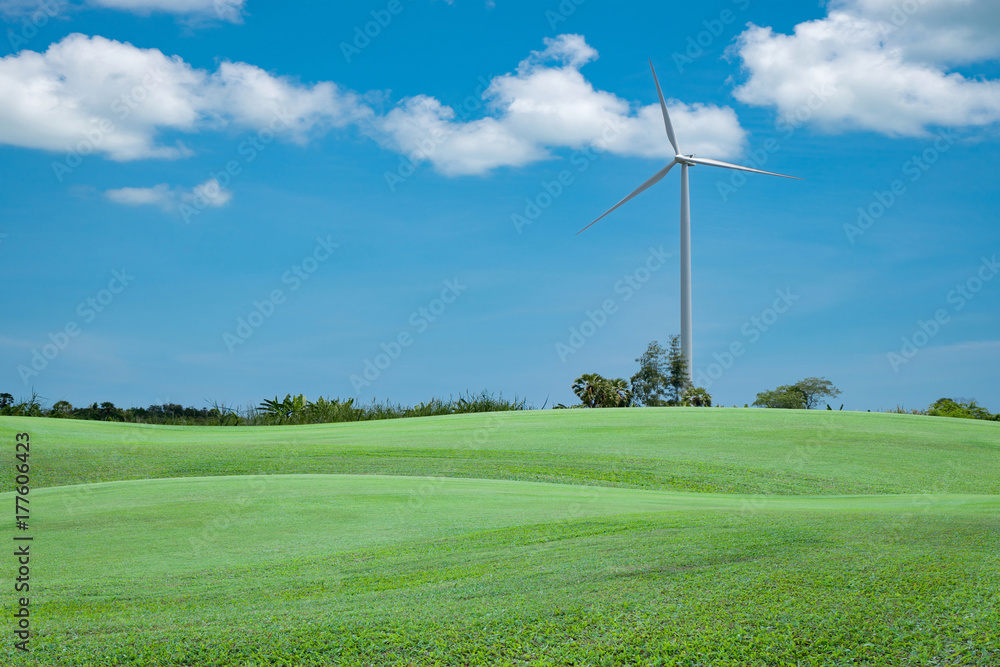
x: 604, y: 537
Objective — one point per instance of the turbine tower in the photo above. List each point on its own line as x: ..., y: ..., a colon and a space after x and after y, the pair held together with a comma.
x: 685, y: 161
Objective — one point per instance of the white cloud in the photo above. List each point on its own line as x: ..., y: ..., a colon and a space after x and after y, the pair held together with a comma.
x: 942, y: 32
x: 193, y: 10
x: 249, y: 96
x: 208, y: 194
x: 548, y: 104
x: 35, y: 11
x: 227, y: 10
x: 121, y: 101
x: 118, y: 99
x: 159, y: 195
x: 881, y: 65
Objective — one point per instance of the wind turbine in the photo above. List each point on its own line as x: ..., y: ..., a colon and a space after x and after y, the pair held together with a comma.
x: 685, y: 161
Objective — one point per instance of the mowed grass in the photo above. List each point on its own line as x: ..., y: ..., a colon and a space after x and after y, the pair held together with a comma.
x: 720, y: 450
x: 858, y: 539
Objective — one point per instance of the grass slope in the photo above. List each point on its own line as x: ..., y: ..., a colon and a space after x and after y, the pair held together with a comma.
x: 718, y: 450
x: 481, y: 565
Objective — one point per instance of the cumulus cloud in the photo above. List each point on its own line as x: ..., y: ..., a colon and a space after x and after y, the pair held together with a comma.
x: 120, y: 98
x: 881, y: 65
x: 124, y: 102
x: 942, y: 32
x: 548, y: 104
x: 208, y: 194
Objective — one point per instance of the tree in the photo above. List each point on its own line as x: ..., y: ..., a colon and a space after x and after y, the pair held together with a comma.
x: 617, y: 394
x: 696, y: 397
x: 962, y: 409
x: 587, y: 388
x: 813, y: 389
x: 785, y: 396
x: 649, y: 385
x: 677, y: 372
x: 596, y: 391
x: 803, y: 395
x: 109, y: 413
x: 6, y: 400
x: 61, y: 409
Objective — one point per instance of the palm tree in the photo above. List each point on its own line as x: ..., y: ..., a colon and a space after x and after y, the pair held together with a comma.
x: 696, y: 397
x: 599, y: 392
x: 617, y: 394
x: 588, y: 387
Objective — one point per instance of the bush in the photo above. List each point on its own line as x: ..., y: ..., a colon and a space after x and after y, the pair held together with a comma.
x: 696, y: 397
x: 946, y: 407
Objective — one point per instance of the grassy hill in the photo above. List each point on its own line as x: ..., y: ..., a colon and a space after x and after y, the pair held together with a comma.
x: 613, y: 537
x: 718, y: 450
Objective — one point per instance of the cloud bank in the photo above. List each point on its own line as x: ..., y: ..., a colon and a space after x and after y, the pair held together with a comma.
x: 144, y: 104
x: 887, y: 66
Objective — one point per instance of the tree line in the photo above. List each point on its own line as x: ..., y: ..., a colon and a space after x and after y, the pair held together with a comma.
x: 270, y: 412
x: 663, y: 381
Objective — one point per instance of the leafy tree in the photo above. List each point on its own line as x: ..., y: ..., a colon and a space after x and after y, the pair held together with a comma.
x: 61, y: 409
x: 696, y: 397
x: 6, y: 400
x: 803, y: 395
x: 109, y: 413
x: 677, y: 372
x: 813, y: 389
x: 649, y: 385
x: 785, y: 396
x: 946, y: 407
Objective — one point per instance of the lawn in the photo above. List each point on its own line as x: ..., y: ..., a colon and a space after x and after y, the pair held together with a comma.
x: 606, y: 537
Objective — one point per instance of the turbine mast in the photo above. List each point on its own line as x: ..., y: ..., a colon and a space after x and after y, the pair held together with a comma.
x: 685, y: 161
x: 686, y: 326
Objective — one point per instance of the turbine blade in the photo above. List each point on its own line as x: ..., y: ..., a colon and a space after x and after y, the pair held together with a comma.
x: 657, y: 177
x: 666, y: 116
x: 729, y: 165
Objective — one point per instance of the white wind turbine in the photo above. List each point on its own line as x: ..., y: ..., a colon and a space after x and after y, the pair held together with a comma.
x: 684, y: 161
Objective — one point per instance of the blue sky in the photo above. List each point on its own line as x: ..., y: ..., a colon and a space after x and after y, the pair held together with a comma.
x: 227, y: 200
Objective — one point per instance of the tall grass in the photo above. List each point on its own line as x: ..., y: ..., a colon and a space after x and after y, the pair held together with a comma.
x: 298, y: 410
